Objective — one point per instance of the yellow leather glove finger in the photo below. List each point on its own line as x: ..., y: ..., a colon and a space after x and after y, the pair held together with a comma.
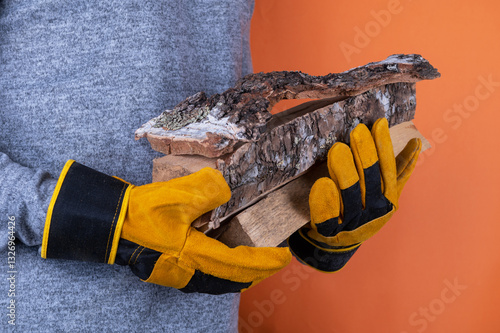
x: 366, y: 160
x: 395, y: 171
x: 343, y: 172
x: 324, y: 204
x: 406, y: 162
x: 385, y: 152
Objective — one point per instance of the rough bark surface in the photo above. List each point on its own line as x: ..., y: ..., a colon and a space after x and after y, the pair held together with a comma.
x: 257, y: 152
x: 217, y: 125
x: 289, y: 149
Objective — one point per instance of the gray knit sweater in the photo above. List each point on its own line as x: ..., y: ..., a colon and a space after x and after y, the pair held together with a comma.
x: 76, y: 79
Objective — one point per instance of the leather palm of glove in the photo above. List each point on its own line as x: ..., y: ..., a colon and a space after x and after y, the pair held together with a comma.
x: 361, y: 196
x: 98, y: 218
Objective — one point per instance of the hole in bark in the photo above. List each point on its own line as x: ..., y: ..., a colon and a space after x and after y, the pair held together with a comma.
x: 289, y: 109
x: 286, y: 104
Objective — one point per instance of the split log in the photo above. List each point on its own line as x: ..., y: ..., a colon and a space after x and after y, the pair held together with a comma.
x: 294, y: 142
x: 266, y: 152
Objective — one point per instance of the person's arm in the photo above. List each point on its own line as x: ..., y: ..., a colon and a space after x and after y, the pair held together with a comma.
x: 99, y: 218
x: 24, y: 195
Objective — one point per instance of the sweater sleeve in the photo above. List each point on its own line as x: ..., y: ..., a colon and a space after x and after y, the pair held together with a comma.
x: 25, y: 195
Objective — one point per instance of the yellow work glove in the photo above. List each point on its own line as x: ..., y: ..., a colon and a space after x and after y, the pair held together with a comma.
x: 95, y: 217
x: 361, y: 196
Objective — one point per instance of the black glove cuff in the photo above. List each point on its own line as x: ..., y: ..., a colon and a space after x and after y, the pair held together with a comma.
x: 321, y: 258
x: 85, y: 215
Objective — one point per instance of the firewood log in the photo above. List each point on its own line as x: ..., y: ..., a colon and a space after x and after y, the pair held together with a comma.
x: 258, y: 153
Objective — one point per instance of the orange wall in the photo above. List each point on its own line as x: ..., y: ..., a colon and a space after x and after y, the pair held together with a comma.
x: 436, y: 266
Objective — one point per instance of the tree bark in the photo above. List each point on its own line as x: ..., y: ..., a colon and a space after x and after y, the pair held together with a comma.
x: 216, y: 125
x: 258, y: 153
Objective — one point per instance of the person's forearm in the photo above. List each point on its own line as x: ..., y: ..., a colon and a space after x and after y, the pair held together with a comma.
x: 24, y: 196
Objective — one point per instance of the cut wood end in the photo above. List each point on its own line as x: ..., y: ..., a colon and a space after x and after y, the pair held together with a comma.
x: 404, y: 132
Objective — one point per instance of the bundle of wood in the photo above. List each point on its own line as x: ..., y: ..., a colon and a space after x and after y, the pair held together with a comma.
x: 271, y: 161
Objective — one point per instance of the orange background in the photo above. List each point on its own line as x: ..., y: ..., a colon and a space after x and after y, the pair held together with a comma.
x: 436, y: 266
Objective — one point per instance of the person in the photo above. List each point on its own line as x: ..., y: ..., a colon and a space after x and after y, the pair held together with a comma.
x: 77, y: 80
